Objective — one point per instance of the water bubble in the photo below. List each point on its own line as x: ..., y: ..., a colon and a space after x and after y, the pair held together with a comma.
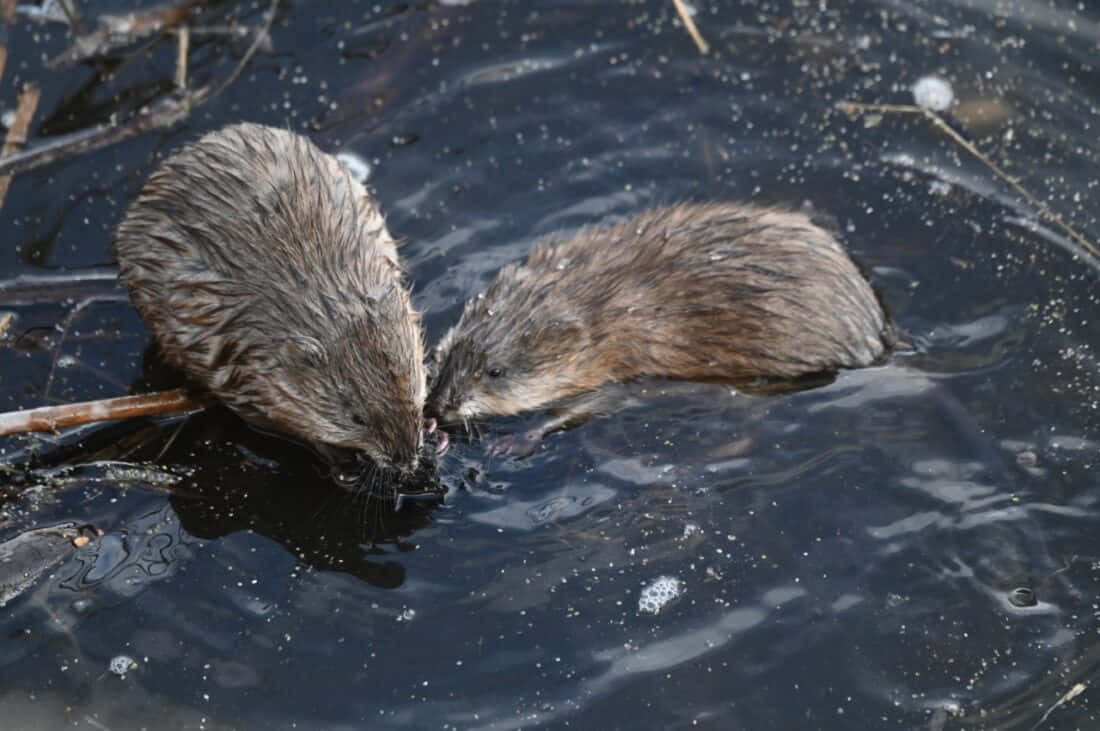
x: 1023, y: 596
x: 934, y: 93
x: 122, y: 664
x: 66, y: 361
x: 658, y: 594
x: 691, y: 529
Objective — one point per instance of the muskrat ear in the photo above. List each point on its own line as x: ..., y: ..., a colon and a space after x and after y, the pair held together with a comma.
x: 303, y: 348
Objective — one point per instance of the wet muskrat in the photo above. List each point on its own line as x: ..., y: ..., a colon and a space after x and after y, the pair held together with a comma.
x: 266, y: 273
x: 707, y: 292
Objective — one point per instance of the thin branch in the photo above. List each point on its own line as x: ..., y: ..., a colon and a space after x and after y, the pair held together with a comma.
x: 937, y: 120
x: 689, y: 23
x: 53, y: 418
x: 117, y: 31
x: 17, y: 132
x: 166, y: 113
x: 261, y: 36
x: 7, y: 11
x: 3, y: 59
x: 1067, y: 697
x: 25, y: 289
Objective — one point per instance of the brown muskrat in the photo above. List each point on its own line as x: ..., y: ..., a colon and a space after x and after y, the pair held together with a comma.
x: 708, y: 292
x: 266, y: 272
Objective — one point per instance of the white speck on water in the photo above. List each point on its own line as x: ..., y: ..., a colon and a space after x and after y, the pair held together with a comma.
x: 359, y: 168
x: 122, y: 664
x: 691, y: 529
x: 8, y: 118
x: 658, y: 594
x: 407, y: 615
x: 66, y: 361
x: 939, y: 187
x: 933, y: 93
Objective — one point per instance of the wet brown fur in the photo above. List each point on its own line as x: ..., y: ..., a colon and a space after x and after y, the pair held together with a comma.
x: 717, y: 291
x: 266, y: 272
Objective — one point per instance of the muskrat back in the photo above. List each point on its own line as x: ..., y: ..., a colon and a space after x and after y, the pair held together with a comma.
x: 717, y: 291
x: 266, y: 272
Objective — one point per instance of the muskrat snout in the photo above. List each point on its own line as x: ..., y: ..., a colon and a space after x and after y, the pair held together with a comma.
x: 438, y: 408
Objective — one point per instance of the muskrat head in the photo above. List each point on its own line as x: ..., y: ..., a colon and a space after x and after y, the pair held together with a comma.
x: 484, y: 368
x: 362, y: 391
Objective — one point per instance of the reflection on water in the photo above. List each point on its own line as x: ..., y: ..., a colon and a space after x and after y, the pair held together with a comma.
x: 908, y: 546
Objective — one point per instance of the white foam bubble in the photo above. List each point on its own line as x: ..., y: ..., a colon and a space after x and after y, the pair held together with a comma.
x: 659, y: 593
x: 122, y: 664
x: 934, y: 93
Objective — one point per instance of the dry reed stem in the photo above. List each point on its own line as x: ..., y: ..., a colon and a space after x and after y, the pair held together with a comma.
x: 937, y: 121
x: 53, y: 418
x: 3, y: 59
x: 689, y: 23
x: 17, y: 133
x: 8, y: 11
x: 184, y: 45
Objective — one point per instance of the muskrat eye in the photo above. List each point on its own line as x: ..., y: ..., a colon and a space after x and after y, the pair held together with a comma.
x: 358, y: 420
x: 496, y: 372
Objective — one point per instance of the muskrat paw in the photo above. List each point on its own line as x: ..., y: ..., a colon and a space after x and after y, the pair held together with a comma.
x: 518, y: 446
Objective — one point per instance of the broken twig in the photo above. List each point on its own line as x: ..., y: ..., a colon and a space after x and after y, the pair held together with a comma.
x: 165, y: 113
x: 117, y: 31
x: 52, y: 418
x: 1044, y: 210
x: 17, y: 132
x: 689, y: 23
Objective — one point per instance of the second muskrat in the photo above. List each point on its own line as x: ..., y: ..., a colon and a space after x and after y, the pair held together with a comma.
x: 718, y: 291
x: 267, y: 273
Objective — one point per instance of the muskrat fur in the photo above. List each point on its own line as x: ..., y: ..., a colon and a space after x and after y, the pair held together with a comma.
x: 266, y: 273
x: 706, y: 292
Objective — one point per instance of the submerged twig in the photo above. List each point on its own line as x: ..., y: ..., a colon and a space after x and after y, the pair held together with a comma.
x: 689, y: 23
x: 52, y: 418
x: 164, y: 114
x: 17, y: 132
x: 937, y: 120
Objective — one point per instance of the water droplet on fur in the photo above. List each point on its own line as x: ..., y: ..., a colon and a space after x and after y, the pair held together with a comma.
x: 359, y: 168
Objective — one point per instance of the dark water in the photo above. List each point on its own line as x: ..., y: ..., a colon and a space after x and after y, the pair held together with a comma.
x: 848, y: 555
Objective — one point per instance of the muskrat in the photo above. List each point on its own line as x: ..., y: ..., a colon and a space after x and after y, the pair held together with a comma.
x: 699, y: 292
x: 267, y: 274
